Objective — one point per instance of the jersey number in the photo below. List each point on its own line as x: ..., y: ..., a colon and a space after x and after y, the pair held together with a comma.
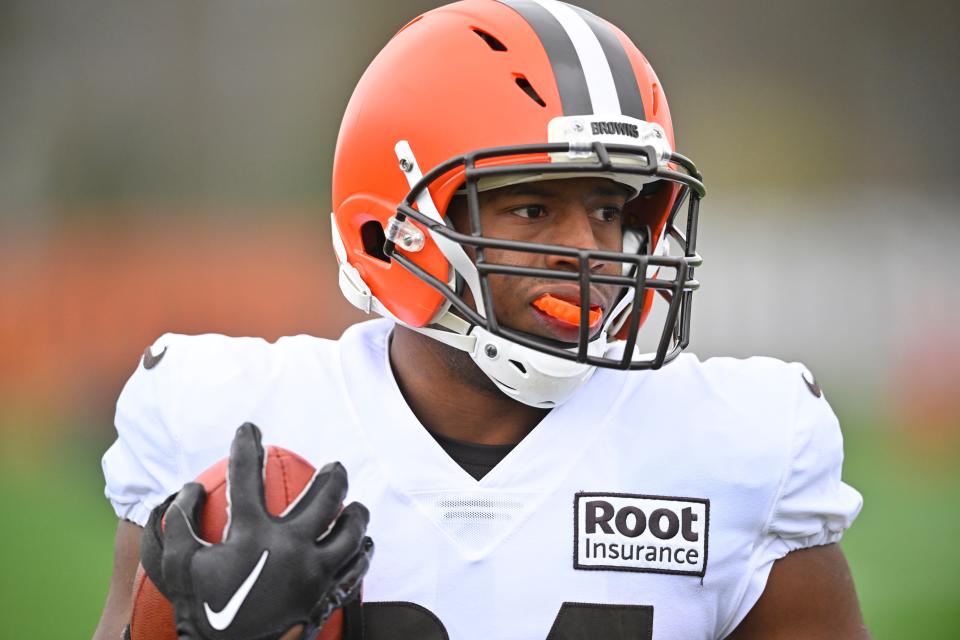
x: 575, y: 621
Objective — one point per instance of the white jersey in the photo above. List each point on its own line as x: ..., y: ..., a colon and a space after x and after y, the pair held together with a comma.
x: 653, y: 501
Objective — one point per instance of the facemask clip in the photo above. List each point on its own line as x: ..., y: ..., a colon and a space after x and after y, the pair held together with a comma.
x: 405, y: 235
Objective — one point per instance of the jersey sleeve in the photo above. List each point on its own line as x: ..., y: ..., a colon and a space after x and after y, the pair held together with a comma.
x: 143, y: 465
x: 813, y: 506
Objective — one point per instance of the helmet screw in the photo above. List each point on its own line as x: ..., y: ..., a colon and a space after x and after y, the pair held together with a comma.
x: 490, y: 350
x: 405, y: 165
x: 578, y: 126
x: 658, y: 133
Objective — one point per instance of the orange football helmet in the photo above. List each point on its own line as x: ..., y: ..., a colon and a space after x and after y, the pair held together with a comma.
x: 485, y: 93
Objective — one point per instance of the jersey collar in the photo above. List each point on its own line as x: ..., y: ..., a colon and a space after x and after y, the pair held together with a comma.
x: 415, y: 462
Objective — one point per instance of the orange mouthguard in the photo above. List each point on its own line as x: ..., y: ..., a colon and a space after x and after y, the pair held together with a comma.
x: 563, y: 310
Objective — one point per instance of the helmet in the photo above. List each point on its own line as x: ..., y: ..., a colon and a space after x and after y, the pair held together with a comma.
x: 485, y: 93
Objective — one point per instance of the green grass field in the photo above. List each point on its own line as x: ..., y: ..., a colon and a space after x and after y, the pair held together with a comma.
x: 904, y: 549
x: 57, y: 535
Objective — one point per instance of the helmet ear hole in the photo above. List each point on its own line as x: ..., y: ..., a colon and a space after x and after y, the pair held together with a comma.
x: 373, y: 238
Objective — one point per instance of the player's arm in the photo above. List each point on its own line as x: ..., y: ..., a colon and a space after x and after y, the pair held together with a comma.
x: 808, y: 592
x: 126, y: 555
x: 809, y: 595
x: 140, y: 469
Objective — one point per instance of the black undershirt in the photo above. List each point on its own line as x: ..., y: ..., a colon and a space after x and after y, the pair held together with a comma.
x: 475, y: 459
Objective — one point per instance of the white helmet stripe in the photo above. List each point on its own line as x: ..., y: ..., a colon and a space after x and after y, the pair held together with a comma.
x: 628, y: 89
x: 593, y: 61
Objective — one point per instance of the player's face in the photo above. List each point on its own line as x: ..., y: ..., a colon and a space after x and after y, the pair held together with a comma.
x: 578, y: 212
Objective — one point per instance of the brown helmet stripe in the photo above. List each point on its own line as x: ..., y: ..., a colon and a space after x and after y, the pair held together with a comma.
x: 567, y: 69
x: 628, y: 91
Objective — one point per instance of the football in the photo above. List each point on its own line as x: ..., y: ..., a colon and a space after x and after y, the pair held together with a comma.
x: 285, y: 476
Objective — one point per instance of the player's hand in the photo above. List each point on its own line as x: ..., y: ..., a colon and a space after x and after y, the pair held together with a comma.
x: 270, y: 574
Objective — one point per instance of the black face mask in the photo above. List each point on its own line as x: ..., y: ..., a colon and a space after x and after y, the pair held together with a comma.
x: 591, y: 159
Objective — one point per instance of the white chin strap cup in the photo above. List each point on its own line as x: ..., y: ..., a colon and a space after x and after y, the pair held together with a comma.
x: 528, y: 376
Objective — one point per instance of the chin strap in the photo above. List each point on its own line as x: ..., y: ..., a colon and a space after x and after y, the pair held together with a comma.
x: 529, y: 376
x: 454, y: 331
x: 526, y: 375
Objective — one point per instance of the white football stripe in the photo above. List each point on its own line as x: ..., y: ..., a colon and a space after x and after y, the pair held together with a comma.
x: 596, y: 69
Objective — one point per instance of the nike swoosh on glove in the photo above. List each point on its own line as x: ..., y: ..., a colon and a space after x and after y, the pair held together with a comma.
x: 270, y: 573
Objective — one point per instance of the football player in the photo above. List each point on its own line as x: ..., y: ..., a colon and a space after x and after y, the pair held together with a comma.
x: 507, y: 195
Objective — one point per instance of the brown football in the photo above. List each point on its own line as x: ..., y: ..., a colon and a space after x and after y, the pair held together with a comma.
x: 286, y: 475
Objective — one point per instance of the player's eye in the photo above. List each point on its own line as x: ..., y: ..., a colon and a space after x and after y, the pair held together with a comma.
x: 530, y: 211
x: 606, y: 214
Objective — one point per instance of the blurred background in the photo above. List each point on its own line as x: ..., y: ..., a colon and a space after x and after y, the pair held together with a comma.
x: 164, y: 166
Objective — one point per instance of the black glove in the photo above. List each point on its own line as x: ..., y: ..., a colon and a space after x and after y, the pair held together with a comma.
x: 270, y: 573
